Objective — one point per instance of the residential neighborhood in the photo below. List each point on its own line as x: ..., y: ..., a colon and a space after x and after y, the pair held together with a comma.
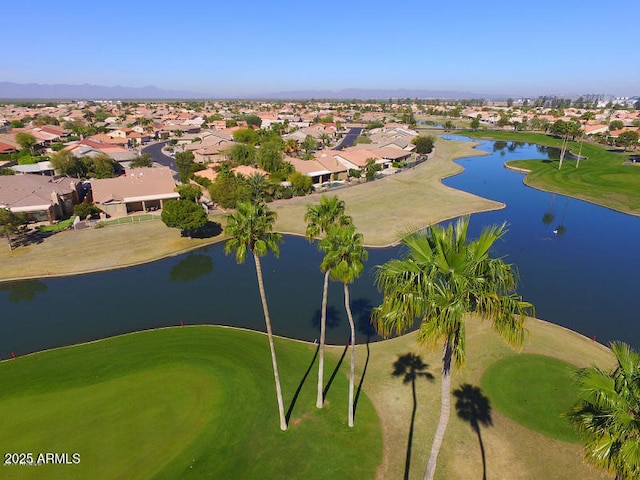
x: 309, y: 136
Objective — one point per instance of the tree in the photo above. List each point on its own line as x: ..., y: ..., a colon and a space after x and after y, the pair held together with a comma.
x: 257, y: 185
x: 10, y: 223
x: 65, y: 163
x: 607, y: 413
x: 615, y: 125
x: 319, y: 218
x: 475, y: 123
x: 424, y: 144
x: 228, y: 189
x: 84, y: 210
x: 269, y: 157
x: 245, y: 135
x: 253, y: 120
x: 143, y: 161
x: 242, y: 154
x: 184, y: 161
x: 26, y: 140
x: 345, y: 257
x: 183, y: 214
x: 628, y: 139
x: 309, y: 144
x: 443, y: 278
x: 251, y: 229
x: 103, y: 166
x: 301, y: 184
x: 371, y: 168
x: 189, y: 192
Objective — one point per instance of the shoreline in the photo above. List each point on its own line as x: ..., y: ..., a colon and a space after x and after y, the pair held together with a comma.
x: 167, y: 242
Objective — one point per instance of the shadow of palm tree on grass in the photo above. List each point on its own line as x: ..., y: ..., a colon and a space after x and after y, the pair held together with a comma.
x: 294, y: 399
x: 473, y: 407
x: 334, y: 373
x: 410, y: 367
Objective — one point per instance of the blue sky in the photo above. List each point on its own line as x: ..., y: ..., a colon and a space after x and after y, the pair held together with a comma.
x: 250, y: 48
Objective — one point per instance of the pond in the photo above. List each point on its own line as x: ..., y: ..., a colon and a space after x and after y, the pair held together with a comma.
x: 575, y: 277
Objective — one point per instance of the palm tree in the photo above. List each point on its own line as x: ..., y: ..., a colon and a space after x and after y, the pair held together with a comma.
x: 344, y: 258
x: 325, y: 139
x: 608, y: 413
x: 251, y: 229
x: 441, y: 280
x: 330, y: 211
x: 257, y: 184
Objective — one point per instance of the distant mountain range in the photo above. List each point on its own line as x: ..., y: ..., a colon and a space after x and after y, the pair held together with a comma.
x: 36, y: 91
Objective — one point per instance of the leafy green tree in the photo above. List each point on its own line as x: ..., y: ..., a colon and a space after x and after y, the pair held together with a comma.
x: 607, y: 414
x: 319, y: 218
x: 253, y: 120
x: 184, y: 162
x: 475, y: 123
x: 615, y: 125
x: 10, y: 223
x: 183, y: 214
x: 628, y: 139
x: 143, y: 161
x: 301, y: 184
x: 26, y: 140
x: 66, y: 163
x: 189, y: 192
x: 251, y: 230
x: 371, y: 168
x: 228, y: 189
x: 84, y: 210
x: 103, y: 166
x: 424, y: 144
x: 242, y: 154
x: 344, y: 257
x: 441, y: 280
x: 16, y: 124
x: 246, y: 135
x: 7, y: 171
x: 269, y: 157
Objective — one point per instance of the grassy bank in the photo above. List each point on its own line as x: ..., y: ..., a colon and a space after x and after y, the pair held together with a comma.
x: 198, y: 402
x: 601, y: 178
x: 380, y: 209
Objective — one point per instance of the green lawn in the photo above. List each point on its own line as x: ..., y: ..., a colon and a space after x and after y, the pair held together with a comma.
x: 194, y: 402
x: 601, y: 178
x: 535, y: 391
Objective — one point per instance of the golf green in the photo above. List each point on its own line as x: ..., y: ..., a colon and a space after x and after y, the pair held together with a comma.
x: 535, y: 391
x: 195, y: 402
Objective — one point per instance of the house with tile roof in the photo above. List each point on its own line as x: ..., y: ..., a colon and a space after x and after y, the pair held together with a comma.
x: 138, y: 190
x: 42, y: 198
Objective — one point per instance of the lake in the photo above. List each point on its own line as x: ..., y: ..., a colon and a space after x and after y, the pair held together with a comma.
x: 574, y: 277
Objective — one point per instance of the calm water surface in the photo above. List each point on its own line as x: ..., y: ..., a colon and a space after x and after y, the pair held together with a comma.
x: 583, y: 277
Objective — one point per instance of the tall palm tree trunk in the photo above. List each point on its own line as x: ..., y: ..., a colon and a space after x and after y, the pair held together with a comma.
x: 445, y: 409
x: 323, y: 329
x: 267, y: 319
x: 352, y: 370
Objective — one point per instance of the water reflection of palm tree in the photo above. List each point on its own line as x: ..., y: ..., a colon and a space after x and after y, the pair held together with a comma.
x: 562, y: 228
x: 549, y: 215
